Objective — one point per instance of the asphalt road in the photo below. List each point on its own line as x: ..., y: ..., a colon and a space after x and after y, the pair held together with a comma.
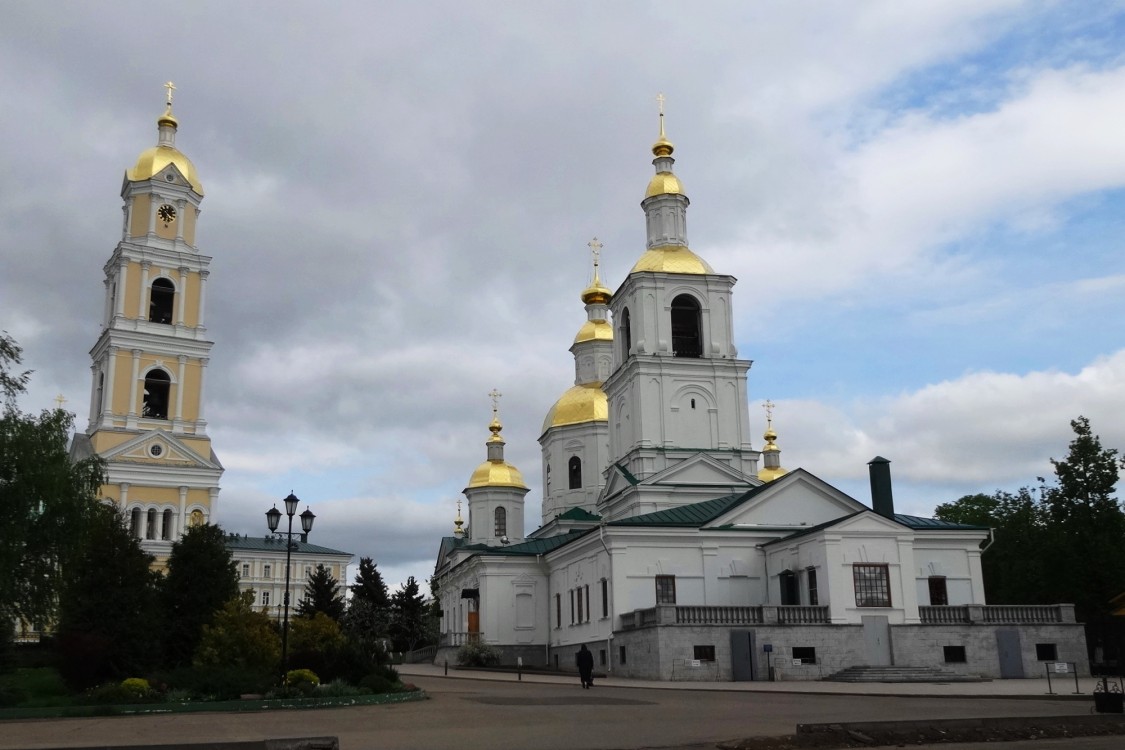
x: 485, y: 715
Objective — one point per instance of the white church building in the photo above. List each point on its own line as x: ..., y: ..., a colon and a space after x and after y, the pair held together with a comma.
x: 675, y: 550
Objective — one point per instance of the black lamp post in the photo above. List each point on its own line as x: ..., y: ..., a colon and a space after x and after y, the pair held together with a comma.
x: 273, y: 517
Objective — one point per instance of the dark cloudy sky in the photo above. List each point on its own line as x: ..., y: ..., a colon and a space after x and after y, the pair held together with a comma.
x: 922, y: 203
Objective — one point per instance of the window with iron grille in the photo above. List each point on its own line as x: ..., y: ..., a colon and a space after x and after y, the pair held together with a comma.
x: 666, y: 589
x: 605, y: 598
x: 872, y: 585
x: 579, y: 605
x: 558, y: 610
x: 807, y: 654
x: 703, y: 653
x: 814, y: 597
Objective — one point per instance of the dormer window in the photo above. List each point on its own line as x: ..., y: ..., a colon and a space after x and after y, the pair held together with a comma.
x: 685, y: 327
x: 161, y: 299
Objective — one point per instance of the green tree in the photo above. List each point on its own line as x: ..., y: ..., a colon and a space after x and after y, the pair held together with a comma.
x: 322, y: 594
x: 201, y: 578
x: 109, y: 616
x: 369, y: 585
x: 48, y: 499
x: 369, y: 610
x: 240, y: 637
x: 408, y: 616
x: 316, y: 633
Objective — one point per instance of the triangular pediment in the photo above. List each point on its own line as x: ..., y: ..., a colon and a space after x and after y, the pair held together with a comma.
x: 617, y: 480
x: 794, y: 500
x: 158, y: 448
x: 701, y: 470
x: 869, y: 522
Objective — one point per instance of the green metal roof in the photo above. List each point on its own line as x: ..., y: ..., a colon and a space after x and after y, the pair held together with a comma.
x: 531, y: 546
x: 579, y: 514
x: 918, y: 523
x: 693, y: 515
x: 236, y: 542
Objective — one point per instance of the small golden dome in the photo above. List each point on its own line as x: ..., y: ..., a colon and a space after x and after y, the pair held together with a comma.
x: 594, y: 330
x: 672, y: 259
x: 768, y: 475
x: 664, y: 183
x: 152, y: 161
x: 596, y: 294
x: 580, y: 404
x: 496, y: 474
x: 663, y: 146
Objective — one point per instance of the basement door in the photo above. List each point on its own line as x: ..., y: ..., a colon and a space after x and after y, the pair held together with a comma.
x: 1009, y: 652
x: 742, y: 655
x: 877, y: 641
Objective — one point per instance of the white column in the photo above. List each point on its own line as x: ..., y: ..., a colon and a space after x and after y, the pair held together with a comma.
x: 122, y: 273
x: 203, y: 274
x: 124, y: 494
x: 182, y: 296
x: 142, y: 304
x: 107, y: 312
x: 202, y: 381
x: 108, y: 385
x: 177, y: 418
x: 181, y: 520
x: 180, y: 204
x: 154, y: 202
x: 127, y: 210
x: 133, y: 385
x: 94, y: 405
x: 213, y: 511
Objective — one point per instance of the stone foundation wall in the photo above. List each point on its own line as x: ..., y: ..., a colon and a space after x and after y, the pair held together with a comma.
x: 924, y: 645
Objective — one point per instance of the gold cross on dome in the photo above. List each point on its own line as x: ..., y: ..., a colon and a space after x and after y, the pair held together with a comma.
x: 596, y: 249
x: 171, y: 87
x: 495, y: 396
x: 768, y: 406
x: 660, y: 104
x: 59, y: 401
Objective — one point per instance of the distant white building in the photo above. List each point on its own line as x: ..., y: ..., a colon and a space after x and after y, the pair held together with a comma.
x: 675, y: 550
x: 260, y: 562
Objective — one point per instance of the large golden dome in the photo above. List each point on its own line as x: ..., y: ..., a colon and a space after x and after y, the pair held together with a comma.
x: 496, y: 474
x: 594, y: 330
x: 582, y: 403
x: 664, y: 183
x: 151, y: 162
x: 672, y: 259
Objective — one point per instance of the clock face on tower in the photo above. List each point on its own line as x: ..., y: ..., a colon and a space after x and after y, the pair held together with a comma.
x: 167, y: 213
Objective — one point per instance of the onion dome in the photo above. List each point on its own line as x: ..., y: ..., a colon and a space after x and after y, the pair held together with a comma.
x: 771, y: 454
x: 581, y: 403
x: 596, y: 293
x: 496, y: 472
x: 154, y: 160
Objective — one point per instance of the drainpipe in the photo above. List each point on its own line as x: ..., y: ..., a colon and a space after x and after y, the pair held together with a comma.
x: 547, y: 640
x: 766, y: 568
x: 991, y: 539
x: 609, y: 597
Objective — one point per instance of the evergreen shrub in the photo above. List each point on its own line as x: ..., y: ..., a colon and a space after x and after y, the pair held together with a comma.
x: 478, y: 655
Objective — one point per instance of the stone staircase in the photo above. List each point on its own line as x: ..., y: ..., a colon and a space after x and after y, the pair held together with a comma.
x: 900, y: 674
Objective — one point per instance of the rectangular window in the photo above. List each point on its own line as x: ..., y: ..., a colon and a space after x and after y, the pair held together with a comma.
x: 572, y: 606
x: 601, y: 657
x: 1046, y: 652
x: 605, y: 598
x: 954, y: 654
x: 807, y: 654
x: 939, y: 597
x: 266, y: 571
x: 622, y: 655
x: 587, y: 587
x: 666, y: 589
x: 558, y: 611
x: 872, y: 585
x: 266, y: 598
x: 245, y: 570
x: 579, y: 605
x: 790, y: 591
x: 703, y: 653
x: 814, y: 597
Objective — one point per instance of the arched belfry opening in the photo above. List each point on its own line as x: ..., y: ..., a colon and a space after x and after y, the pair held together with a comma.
x: 157, y: 386
x: 161, y: 299
x: 625, y: 334
x: 500, y: 522
x: 686, y: 329
x: 574, y: 470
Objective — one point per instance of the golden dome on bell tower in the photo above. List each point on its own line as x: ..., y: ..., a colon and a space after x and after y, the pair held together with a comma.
x: 155, y: 160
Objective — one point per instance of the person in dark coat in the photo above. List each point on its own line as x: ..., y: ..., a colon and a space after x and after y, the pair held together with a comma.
x: 585, y: 661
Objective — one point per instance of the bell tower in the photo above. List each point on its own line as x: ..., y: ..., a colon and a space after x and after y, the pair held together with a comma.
x: 677, y: 389
x: 150, y: 361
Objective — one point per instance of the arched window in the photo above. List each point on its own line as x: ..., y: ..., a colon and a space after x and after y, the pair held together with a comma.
x: 685, y: 327
x: 547, y: 474
x: 161, y: 299
x: 500, y: 526
x: 574, y: 471
x: 157, y: 384
x: 99, y: 400
x: 150, y: 524
x: 135, y: 522
x: 166, y: 527
x: 625, y: 334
